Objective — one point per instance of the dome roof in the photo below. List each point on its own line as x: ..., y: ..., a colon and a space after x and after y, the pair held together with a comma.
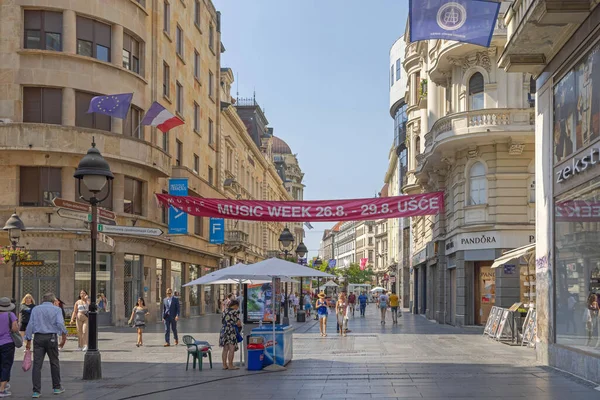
x: 280, y: 147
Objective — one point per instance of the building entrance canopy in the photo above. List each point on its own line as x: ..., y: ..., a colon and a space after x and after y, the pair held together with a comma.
x: 513, y: 255
x: 309, y: 211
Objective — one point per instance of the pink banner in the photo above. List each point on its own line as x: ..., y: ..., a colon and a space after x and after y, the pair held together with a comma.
x: 577, y: 210
x: 309, y: 211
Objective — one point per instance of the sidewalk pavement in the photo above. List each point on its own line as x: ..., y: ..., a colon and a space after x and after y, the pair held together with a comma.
x: 415, y: 359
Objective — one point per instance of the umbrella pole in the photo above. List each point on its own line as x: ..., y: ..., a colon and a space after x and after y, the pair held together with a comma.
x: 274, y: 366
x: 242, y: 308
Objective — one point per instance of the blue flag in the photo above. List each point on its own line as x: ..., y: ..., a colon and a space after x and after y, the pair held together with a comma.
x: 467, y: 21
x: 115, y: 105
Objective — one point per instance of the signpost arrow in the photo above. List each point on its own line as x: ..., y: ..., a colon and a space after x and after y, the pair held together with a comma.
x: 106, y: 239
x: 102, y: 220
x: 129, y: 230
x: 68, y: 213
x: 71, y: 205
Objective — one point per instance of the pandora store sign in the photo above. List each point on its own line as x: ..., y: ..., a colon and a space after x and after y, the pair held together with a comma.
x: 488, y: 240
x: 585, y: 161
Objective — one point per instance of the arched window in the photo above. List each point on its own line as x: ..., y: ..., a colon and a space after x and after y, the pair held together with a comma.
x: 476, y: 92
x: 477, y: 185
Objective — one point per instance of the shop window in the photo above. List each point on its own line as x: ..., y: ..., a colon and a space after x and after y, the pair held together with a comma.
x: 131, y: 53
x: 132, y: 197
x: 476, y: 92
x: 132, y: 126
x: 477, y: 184
x: 42, y: 105
x: 43, y: 30
x: 93, y: 39
x: 176, y: 269
x: 577, y: 267
x: 106, y: 203
x: 38, y: 186
x: 89, y: 120
x: 103, y: 274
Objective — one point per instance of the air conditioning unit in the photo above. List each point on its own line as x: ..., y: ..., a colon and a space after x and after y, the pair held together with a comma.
x: 5, y: 120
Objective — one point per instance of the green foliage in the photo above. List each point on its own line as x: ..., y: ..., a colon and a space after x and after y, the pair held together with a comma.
x: 353, y: 274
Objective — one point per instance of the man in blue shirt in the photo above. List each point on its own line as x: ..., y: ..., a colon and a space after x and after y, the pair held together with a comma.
x: 362, y: 300
x: 45, y: 324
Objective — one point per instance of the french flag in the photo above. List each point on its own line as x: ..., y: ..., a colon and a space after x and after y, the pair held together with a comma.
x: 159, y: 117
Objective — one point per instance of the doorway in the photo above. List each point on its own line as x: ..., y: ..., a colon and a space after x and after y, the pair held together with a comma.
x: 40, y: 280
x: 453, y: 296
x: 133, y: 282
x: 485, y: 291
x: 424, y: 291
x: 416, y: 294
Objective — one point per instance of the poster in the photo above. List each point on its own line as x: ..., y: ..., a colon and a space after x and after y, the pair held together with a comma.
x: 259, y: 304
x: 505, y: 314
x: 488, y: 325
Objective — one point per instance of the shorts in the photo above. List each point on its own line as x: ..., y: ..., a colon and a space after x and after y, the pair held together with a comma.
x: 307, y: 307
x: 323, y: 316
x: 394, y: 308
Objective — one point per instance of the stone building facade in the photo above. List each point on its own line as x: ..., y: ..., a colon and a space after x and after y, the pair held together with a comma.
x: 469, y: 134
x: 56, y: 59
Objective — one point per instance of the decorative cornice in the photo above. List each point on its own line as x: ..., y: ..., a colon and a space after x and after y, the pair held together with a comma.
x: 481, y: 58
x: 515, y: 148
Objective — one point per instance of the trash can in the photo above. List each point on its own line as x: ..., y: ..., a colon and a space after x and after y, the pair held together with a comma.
x: 256, y: 355
x: 301, y: 316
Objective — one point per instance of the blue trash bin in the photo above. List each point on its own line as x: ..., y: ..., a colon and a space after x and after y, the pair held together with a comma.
x: 256, y: 355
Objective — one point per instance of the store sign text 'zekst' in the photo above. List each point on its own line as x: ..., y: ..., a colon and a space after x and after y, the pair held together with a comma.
x: 309, y: 211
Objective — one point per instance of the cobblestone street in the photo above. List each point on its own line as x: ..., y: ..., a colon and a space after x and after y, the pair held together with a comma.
x: 416, y: 359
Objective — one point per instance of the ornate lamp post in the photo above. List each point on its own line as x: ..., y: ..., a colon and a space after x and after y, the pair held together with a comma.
x: 95, y: 173
x: 286, y: 240
x: 301, y: 251
x: 14, y: 226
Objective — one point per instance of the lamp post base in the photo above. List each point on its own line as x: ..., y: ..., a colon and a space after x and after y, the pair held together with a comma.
x: 286, y: 321
x: 92, y: 366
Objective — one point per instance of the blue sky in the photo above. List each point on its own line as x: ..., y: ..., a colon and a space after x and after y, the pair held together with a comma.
x: 320, y: 70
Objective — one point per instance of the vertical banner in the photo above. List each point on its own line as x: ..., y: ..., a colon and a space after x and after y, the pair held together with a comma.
x: 363, y: 263
x: 217, y: 230
x: 178, y: 219
x: 331, y: 263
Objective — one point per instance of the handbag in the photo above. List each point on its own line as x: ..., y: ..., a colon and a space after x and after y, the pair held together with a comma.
x: 27, y: 361
x: 238, y: 334
x: 16, y: 336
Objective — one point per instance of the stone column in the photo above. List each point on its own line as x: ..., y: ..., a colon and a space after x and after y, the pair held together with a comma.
x: 68, y: 106
x: 433, y: 103
x: 118, y: 192
x: 118, y: 287
x: 116, y: 57
x: 69, y: 32
x: 68, y: 184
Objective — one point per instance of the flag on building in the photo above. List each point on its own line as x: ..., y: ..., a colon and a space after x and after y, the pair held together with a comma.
x: 467, y: 21
x: 115, y: 105
x: 308, y: 225
x: 159, y: 117
x: 363, y: 263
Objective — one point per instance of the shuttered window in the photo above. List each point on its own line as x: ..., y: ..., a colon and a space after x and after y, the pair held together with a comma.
x: 93, y: 39
x: 39, y: 186
x: 43, y: 30
x: 42, y: 105
x: 131, y: 54
x: 91, y: 120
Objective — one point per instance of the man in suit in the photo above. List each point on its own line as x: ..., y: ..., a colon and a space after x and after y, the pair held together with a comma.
x: 170, y: 316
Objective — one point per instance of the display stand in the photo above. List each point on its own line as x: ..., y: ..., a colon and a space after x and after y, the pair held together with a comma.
x: 529, y: 329
x: 488, y: 326
x: 505, y: 330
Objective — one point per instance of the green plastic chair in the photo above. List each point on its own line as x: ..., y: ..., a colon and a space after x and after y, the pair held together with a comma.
x: 197, y: 350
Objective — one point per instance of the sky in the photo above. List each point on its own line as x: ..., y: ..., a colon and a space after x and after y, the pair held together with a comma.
x: 320, y: 70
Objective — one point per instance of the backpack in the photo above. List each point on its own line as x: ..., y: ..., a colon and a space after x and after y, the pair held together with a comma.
x: 382, y: 303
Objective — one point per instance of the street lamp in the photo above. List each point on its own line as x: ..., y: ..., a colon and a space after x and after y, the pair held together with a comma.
x: 14, y: 226
x: 286, y: 239
x: 95, y: 173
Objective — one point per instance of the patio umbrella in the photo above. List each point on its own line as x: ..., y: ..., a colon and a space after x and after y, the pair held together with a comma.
x: 377, y: 289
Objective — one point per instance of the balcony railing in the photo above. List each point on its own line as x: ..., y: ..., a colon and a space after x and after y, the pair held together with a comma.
x: 273, y: 253
x: 236, y: 241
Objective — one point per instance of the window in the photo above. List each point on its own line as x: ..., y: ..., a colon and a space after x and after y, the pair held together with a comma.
x: 166, y: 80
x: 210, y: 176
x: 211, y: 82
x: 199, y: 226
x: 179, y: 98
x: 477, y: 184
x: 392, y: 75
x: 417, y: 145
x: 398, y: 69
x: 106, y: 203
x: 167, y: 17
x: 92, y: 120
x: 43, y: 30
x: 531, y: 94
x: 93, y: 39
x: 196, y: 64
x: 132, y: 199
x: 211, y: 37
x: 39, y: 186
x: 196, y: 163
x: 83, y: 269
x: 131, y: 53
x: 532, y: 190
x: 476, y: 92
x: 197, y: 12
x: 210, y: 132
x: 42, y: 105
x: 196, y: 118
x: 165, y: 142
x: 179, y: 154
x: 132, y: 126
x: 370, y: 256
x: 179, y: 41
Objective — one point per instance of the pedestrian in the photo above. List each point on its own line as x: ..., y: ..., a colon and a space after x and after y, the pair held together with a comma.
x: 138, y: 318
x: 80, y: 317
x: 394, y: 304
x: 45, y: 325
x: 228, y: 336
x: 292, y: 300
x: 102, y: 302
x: 170, y: 316
x: 307, y: 305
x: 362, y: 300
x: 225, y: 303
x: 341, y: 311
x: 322, y: 313
x: 8, y: 324
x: 352, y: 303
x: 27, y: 305
x: 383, y: 305
x: 296, y: 303
x: 61, y: 304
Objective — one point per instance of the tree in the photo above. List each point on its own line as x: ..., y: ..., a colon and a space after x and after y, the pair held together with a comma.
x: 353, y: 274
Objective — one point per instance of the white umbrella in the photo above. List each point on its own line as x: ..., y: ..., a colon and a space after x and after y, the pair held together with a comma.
x: 275, y: 267
x: 377, y: 289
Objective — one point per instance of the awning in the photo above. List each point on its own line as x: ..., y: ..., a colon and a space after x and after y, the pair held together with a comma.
x: 513, y: 254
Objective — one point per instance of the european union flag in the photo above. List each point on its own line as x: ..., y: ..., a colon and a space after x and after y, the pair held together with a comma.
x: 467, y: 21
x: 115, y: 105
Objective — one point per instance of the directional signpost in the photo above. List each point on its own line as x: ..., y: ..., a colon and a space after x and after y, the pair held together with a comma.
x: 129, y: 230
x: 82, y: 212
x: 106, y: 239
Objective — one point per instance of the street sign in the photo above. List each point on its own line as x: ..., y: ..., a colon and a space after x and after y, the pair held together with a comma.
x: 31, y: 263
x: 68, y: 213
x: 217, y: 230
x: 106, y: 213
x: 101, y: 220
x: 106, y: 239
x: 71, y: 205
x: 129, y: 230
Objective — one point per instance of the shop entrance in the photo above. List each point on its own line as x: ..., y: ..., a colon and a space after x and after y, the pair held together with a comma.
x: 453, y: 296
x: 485, y: 291
x: 133, y: 282
x: 416, y: 285
x: 40, y: 280
x: 424, y: 291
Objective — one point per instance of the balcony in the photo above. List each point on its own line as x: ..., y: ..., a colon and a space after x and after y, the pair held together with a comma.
x: 273, y: 253
x: 236, y: 241
x: 537, y: 29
